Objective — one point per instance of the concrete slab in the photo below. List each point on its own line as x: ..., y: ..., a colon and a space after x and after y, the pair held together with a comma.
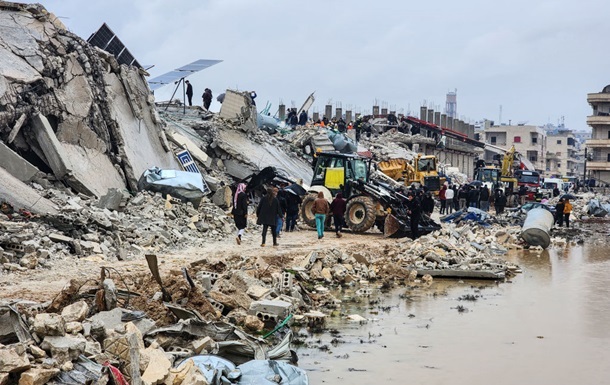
x: 50, y: 145
x: 237, y: 107
x: 185, y: 142
x: 16, y: 165
x: 138, y: 136
x: 20, y: 195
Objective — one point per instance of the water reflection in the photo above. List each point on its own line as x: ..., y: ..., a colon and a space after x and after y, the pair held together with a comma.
x: 548, y: 325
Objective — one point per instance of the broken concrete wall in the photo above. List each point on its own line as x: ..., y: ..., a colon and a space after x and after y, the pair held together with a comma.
x: 238, y: 108
x: 16, y: 165
x: 101, y: 132
x: 20, y: 195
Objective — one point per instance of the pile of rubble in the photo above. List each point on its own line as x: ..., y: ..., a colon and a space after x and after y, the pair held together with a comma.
x: 117, y: 227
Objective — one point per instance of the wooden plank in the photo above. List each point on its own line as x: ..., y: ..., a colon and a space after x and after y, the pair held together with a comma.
x: 470, y: 274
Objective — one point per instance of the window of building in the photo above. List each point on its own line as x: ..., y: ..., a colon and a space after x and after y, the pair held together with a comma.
x: 534, y: 139
x: 493, y: 140
x: 558, y: 141
x: 608, y: 157
x: 558, y: 165
x: 533, y: 158
x: 517, y: 139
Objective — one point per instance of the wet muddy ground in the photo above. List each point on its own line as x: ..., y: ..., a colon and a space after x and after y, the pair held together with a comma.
x: 548, y: 325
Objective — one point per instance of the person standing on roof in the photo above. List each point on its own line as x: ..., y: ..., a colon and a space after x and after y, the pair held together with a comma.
x: 207, y: 98
x: 252, y: 97
x: 240, y: 210
x: 189, y: 92
x: 303, y: 118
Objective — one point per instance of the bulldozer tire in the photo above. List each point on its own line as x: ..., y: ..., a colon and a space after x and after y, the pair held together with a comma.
x: 360, y: 214
x: 306, y: 213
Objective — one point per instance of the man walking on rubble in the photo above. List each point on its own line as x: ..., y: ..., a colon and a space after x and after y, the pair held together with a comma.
x: 449, y: 195
x: 240, y: 210
x: 268, y: 211
x: 207, y: 98
x: 484, y: 198
x: 189, y: 92
x: 303, y: 118
x: 338, y: 207
x: 463, y: 196
x: 320, y: 208
x: 499, y: 201
x: 293, y: 202
x: 414, y: 212
x: 281, y: 196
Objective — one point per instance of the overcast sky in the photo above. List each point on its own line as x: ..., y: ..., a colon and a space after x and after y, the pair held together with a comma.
x: 536, y: 59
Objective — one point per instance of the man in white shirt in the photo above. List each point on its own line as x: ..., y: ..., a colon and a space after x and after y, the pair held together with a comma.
x: 449, y: 195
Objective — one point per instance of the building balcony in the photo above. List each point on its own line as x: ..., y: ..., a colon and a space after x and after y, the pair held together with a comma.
x: 598, y: 143
x: 598, y: 166
x: 597, y: 120
x: 600, y: 97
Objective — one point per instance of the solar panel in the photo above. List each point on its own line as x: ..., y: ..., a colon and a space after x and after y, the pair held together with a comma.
x: 105, y: 39
x: 179, y: 73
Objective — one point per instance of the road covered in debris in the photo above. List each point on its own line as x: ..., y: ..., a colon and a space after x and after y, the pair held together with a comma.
x: 116, y: 266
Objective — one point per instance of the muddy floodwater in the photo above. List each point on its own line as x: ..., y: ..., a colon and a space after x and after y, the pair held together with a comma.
x: 548, y: 325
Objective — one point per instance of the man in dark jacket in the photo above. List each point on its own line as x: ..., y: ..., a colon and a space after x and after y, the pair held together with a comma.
x: 414, y: 207
x: 207, y: 98
x: 268, y: 211
x: 427, y: 204
x: 473, y: 197
x: 337, y: 207
x: 293, y: 203
x: 484, y: 198
x: 499, y: 201
x: 463, y: 197
x: 303, y: 118
x: 189, y: 92
x: 293, y: 120
x: 559, y: 212
x: 522, y: 194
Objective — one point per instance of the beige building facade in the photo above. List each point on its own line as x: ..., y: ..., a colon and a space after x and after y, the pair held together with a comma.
x: 598, y: 147
x: 529, y: 141
x: 561, y: 158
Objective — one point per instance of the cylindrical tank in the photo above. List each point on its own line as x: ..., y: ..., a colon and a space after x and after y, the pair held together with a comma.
x: 536, y: 229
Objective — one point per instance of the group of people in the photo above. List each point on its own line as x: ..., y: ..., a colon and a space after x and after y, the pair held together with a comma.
x: 277, y: 208
x: 207, y: 96
x: 563, y: 209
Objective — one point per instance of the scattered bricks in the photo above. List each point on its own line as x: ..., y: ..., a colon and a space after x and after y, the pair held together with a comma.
x: 286, y: 282
x: 364, y: 292
x: 46, y: 324
x: 157, y: 369
x: 315, y: 318
x: 270, y: 310
x: 17, y: 247
x: 213, y: 276
x: 60, y: 238
x: 257, y: 292
x: 217, y: 305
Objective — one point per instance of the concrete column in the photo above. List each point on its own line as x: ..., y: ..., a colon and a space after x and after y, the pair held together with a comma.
x: 430, y: 117
x: 316, y: 116
x: 282, y: 111
x: 328, y: 111
x: 338, y: 113
x: 348, y: 116
x: 450, y: 122
x: 437, y: 118
x: 52, y: 149
x: 423, y: 113
x: 384, y: 111
x: 375, y: 110
x: 443, y: 120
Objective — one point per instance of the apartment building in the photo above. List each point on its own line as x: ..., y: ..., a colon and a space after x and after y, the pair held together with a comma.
x: 598, y: 147
x: 529, y: 141
x: 561, y: 153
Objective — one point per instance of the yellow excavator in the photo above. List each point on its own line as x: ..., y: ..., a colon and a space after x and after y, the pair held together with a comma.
x: 422, y: 170
x: 503, y: 178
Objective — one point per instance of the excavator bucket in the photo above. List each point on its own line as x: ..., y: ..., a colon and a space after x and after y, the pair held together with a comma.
x: 393, y: 167
x: 394, y: 227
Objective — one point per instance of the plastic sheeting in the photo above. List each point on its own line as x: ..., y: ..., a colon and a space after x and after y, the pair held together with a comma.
x: 471, y: 214
x: 597, y: 209
x: 187, y: 186
x: 215, y: 369
x: 269, y: 372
